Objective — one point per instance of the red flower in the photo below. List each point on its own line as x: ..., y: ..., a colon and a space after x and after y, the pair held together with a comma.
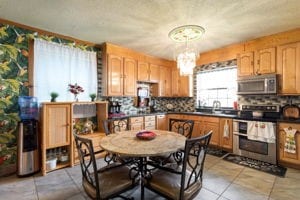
x: 75, y: 89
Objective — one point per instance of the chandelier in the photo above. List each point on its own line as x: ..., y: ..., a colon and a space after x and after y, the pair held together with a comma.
x: 186, y: 59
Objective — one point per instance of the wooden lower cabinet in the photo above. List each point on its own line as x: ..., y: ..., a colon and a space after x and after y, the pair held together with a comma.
x: 149, y: 122
x: 226, y: 137
x: 161, y: 122
x: 212, y: 123
x: 197, y: 130
x: 136, y: 123
x: 286, y: 158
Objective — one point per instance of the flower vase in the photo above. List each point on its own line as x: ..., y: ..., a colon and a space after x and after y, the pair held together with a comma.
x: 75, y: 98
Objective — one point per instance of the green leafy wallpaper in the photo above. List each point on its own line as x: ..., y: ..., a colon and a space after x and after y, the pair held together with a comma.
x: 13, y: 78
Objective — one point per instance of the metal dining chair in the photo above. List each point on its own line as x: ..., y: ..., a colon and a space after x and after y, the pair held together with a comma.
x: 185, y: 182
x: 180, y: 126
x: 112, y: 126
x: 104, y: 183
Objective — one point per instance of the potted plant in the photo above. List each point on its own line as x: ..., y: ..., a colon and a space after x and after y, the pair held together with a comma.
x: 93, y: 96
x: 53, y: 95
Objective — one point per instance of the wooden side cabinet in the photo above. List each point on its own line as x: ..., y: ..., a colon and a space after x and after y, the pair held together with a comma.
x: 56, y: 133
x: 226, y: 128
x: 58, y: 122
x: 286, y: 158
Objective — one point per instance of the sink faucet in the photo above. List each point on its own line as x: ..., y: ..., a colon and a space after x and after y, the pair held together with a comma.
x: 216, y: 105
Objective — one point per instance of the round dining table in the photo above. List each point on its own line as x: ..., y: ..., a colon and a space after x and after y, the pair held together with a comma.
x: 126, y: 143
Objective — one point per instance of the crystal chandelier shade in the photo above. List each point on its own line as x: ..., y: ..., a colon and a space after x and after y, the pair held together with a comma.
x: 186, y: 59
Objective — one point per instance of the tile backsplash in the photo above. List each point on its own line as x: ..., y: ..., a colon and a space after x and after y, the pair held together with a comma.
x: 268, y: 100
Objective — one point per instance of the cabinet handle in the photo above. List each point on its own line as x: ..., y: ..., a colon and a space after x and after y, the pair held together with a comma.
x: 258, y: 62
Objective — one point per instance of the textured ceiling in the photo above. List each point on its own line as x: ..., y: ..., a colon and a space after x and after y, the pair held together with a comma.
x: 143, y: 25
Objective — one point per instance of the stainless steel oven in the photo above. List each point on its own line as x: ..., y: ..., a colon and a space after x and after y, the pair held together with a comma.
x: 258, y: 150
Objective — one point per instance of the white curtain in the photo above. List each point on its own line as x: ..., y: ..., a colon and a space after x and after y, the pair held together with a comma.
x: 57, y: 65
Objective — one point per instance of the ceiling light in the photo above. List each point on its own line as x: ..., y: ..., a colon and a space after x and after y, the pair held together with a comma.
x: 186, y: 59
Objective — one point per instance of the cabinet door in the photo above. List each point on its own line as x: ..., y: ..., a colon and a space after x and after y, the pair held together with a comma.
x: 57, y: 125
x: 185, y: 86
x: 288, y: 68
x: 165, y: 81
x: 154, y: 73
x: 115, y: 75
x: 212, y: 123
x: 161, y: 122
x: 197, y: 129
x: 286, y: 157
x: 265, y: 61
x: 136, y: 123
x: 245, y: 64
x: 226, y: 142
x: 175, y: 82
x: 143, y: 71
x: 130, y: 74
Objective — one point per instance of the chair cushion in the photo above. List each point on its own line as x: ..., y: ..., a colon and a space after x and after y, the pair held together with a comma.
x: 111, y: 182
x: 168, y: 184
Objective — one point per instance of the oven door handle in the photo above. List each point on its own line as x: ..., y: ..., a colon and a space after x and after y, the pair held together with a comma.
x: 241, y: 134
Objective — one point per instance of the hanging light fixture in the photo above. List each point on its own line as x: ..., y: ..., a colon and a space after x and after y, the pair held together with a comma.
x: 186, y: 60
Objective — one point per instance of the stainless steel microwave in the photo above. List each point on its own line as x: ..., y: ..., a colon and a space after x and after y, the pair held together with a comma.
x: 259, y: 84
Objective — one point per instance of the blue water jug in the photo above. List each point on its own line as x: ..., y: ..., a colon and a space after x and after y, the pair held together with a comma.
x: 28, y: 107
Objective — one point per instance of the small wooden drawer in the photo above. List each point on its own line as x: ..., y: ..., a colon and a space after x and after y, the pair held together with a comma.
x: 149, y: 118
x: 134, y: 120
x: 150, y: 123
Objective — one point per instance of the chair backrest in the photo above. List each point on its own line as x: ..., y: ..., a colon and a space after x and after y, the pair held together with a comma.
x: 115, y: 125
x: 88, y: 164
x: 193, y: 162
x: 181, y: 126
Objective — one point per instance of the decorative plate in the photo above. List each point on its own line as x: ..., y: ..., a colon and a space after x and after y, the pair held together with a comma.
x: 169, y: 106
x: 146, y: 135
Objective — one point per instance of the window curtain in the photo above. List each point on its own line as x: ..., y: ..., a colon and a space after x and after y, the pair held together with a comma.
x: 57, y: 65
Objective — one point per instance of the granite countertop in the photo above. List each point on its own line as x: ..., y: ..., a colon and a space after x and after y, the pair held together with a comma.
x: 223, y: 115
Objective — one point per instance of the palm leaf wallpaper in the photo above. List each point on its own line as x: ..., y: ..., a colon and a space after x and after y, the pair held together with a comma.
x: 13, y: 78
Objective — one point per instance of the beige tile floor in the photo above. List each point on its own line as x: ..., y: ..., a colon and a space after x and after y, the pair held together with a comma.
x: 222, y: 181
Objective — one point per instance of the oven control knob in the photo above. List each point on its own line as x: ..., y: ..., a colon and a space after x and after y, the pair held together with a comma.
x: 269, y: 108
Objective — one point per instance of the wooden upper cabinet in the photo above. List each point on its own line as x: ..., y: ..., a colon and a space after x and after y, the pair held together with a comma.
x: 181, y: 85
x: 262, y: 61
x: 245, y: 64
x: 129, y: 74
x: 265, y: 61
x: 288, y: 68
x: 143, y: 71
x: 175, y: 82
x: 154, y: 73
x: 148, y: 72
x: 114, y: 75
x: 121, y: 76
x: 165, y: 81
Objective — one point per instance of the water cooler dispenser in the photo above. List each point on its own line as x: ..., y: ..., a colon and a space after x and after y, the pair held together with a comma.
x: 28, y: 140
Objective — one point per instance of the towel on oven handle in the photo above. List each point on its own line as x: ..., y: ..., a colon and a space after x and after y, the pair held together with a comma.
x: 261, y: 131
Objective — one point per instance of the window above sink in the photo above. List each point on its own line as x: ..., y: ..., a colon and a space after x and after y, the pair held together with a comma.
x: 217, y: 85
